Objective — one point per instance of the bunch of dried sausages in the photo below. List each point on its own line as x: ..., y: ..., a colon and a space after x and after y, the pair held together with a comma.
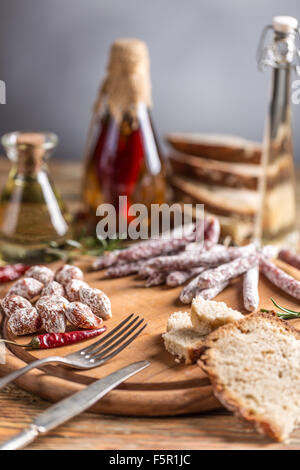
x: 208, y: 268
x: 67, y: 298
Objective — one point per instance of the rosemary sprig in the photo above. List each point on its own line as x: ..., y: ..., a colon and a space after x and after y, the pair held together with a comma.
x: 287, y: 315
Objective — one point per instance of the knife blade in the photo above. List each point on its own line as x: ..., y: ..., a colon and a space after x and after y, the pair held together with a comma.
x: 72, y: 406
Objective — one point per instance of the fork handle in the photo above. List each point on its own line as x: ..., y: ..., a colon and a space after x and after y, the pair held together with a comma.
x: 17, y: 373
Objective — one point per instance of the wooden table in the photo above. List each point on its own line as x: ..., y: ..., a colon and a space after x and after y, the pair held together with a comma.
x: 216, y: 430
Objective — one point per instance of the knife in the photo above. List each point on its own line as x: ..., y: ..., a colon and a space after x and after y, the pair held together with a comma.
x: 72, y: 406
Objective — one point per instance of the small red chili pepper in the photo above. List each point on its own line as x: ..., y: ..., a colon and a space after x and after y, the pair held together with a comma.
x: 55, y: 340
x: 11, y: 272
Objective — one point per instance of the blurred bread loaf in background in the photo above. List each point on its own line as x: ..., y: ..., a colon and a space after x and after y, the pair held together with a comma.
x: 223, y: 173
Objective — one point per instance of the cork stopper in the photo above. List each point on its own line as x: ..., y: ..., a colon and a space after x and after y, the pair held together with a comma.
x: 127, y: 82
x: 29, y: 149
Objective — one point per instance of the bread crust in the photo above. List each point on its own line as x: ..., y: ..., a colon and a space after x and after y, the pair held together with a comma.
x: 231, y: 402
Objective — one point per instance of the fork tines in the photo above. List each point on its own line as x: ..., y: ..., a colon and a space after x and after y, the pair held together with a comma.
x: 115, y: 341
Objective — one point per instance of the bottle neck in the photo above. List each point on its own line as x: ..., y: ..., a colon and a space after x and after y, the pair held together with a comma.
x: 280, y: 106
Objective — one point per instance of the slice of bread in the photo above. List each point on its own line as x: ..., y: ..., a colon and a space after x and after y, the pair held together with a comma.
x: 254, y: 368
x: 181, y: 340
x: 221, y: 147
x: 218, y: 199
x: 208, y: 315
x: 233, y: 175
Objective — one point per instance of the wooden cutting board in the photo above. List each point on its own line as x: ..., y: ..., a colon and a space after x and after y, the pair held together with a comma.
x: 164, y: 388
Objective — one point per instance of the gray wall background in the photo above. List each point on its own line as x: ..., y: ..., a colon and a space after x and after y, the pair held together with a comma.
x: 53, y: 55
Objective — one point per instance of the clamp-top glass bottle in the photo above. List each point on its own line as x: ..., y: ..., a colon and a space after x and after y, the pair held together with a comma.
x: 276, y: 222
x: 31, y: 211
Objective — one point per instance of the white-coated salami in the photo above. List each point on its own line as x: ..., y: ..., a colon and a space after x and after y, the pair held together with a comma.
x: 12, y: 303
x: 41, y: 273
x: 27, y: 288
x: 211, y: 232
x: 212, y: 292
x: 250, y: 289
x: 177, y: 278
x: 67, y: 273
x: 106, y: 260
x: 225, y: 272
x: 98, y: 302
x: 24, y: 321
x: 124, y: 269
x: 72, y: 289
x: 53, y: 288
x: 156, y: 279
x: 81, y: 316
x: 280, y: 278
x: 52, y: 312
x: 290, y: 257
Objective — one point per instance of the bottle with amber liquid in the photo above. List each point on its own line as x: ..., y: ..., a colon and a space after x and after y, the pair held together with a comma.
x: 122, y: 155
x: 32, y: 213
x: 276, y: 223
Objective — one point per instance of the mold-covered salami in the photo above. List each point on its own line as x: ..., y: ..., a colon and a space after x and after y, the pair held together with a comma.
x: 250, y: 289
x: 225, y: 272
x: 106, y: 260
x: 27, y: 288
x: 121, y: 270
x: 12, y: 302
x: 189, y: 291
x: 53, y: 288
x: 72, y: 289
x: 217, y: 255
x: 280, y: 278
x: 177, y: 278
x: 98, y: 302
x: 41, y: 273
x: 24, y: 321
x: 290, y: 257
x: 212, y: 233
x: 67, y: 273
x: 156, y: 279
x: 81, y: 316
x: 212, y: 292
x: 52, y: 312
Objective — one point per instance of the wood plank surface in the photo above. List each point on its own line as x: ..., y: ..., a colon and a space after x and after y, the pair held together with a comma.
x: 214, y: 430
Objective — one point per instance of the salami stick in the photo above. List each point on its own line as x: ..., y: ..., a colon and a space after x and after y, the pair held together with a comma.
x: 191, y: 291
x: 212, y: 233
x: 125, y: 269
x: 212, y: 292
x: 106, y: 260
x: 227, y: 271
x: 280, y: 278
x: 290, y: 257
x: 156, y: 279
x: 250, y: 289
x: 177, y: 278
x: 219, y: 254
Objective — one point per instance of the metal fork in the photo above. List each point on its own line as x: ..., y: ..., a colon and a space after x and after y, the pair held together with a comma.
x: 92, y: 356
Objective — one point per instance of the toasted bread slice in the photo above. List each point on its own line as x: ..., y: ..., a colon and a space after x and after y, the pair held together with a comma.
x: 208, y: 315
x: 254, y: 368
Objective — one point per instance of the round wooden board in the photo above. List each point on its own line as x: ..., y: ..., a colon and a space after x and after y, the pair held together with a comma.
x: 164, y: 388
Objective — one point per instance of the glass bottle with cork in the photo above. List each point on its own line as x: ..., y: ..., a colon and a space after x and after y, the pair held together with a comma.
x: 122, y: 156
x: 31, y: 211
x: 276, y: 222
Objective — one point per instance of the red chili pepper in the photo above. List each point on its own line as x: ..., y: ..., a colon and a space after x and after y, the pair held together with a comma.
x: 55, y: 340
x: 11, y: 272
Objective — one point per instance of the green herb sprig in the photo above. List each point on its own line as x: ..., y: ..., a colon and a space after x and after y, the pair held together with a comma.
x: 287, y: 315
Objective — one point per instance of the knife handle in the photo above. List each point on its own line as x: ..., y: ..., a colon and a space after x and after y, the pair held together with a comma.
x: 22, y: 439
